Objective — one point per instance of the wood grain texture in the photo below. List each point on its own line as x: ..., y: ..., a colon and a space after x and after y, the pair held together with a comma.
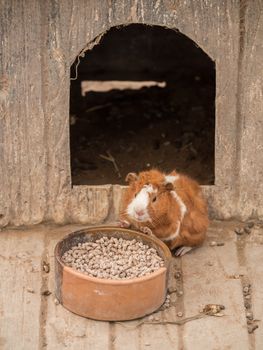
x: 214, y: 266
x: 250, y: 101
x: 20, y: 291
x: 23, y: 160
x: 34, y: 321
x: 40, y: 40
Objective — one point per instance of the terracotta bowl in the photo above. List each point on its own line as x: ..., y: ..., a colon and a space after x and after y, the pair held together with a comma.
x: 105, y: 299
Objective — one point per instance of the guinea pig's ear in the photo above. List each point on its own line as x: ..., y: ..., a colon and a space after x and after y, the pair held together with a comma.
x: 131, y: 177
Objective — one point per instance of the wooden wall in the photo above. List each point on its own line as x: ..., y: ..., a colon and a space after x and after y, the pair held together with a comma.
x: 39, y: 42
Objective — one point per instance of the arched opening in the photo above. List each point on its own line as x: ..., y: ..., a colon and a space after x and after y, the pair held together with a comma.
x: 144, y: 97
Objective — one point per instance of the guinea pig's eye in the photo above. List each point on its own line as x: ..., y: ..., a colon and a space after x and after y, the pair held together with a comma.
x: 154, y: 198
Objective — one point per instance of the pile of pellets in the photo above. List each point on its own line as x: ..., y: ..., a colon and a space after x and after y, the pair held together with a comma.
x: 113, y: 258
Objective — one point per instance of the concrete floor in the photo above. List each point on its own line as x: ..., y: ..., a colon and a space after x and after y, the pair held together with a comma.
x: 210, y: 274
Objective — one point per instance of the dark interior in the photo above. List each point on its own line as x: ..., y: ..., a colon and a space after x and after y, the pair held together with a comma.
x: 168, y: 128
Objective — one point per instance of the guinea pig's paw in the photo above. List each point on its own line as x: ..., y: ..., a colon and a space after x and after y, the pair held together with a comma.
x: 123, y: 223
x: 182, y: 250
x: 146, y: 230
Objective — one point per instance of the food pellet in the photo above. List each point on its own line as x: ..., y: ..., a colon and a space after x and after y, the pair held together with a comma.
x: 246, y: 289
x: 166, y: 303
x: 249, y: 315
x: 113, y: 258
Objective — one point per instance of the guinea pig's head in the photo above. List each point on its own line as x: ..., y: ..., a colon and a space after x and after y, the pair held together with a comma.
x: 148, y: 196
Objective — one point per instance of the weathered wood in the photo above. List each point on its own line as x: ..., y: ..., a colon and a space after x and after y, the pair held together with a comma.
x: 40, y: 41
x: 250, y: 102
x: 20, y: 289
x: 208, y: 279
x: 34, y: 321
x: 22, y: 124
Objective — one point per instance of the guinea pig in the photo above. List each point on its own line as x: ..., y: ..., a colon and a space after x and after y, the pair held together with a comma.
x: 171, y: 207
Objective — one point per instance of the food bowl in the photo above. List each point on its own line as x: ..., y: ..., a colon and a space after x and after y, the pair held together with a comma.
x: 108, y: 299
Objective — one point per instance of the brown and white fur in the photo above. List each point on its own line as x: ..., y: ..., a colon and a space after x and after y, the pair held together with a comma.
x: 169, y: 206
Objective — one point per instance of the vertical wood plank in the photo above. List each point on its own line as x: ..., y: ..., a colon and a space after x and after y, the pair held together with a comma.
x: 23, y: 161
x: 251, y: 110
x: 55, y: 22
